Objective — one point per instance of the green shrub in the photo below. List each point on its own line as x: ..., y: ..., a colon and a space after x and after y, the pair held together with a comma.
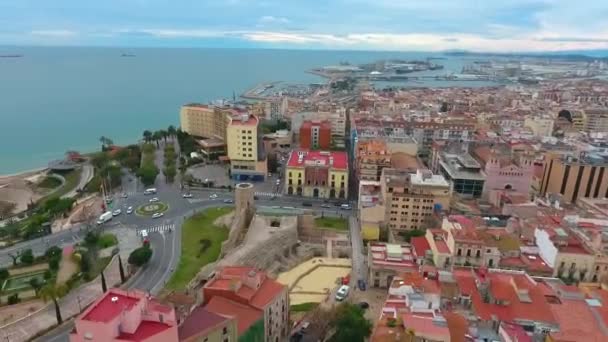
x: 13, y: 299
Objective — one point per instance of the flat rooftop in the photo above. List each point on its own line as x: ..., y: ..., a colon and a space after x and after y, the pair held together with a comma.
x: 303, y: 158
x: 110, y: 306
x: 451, y: 164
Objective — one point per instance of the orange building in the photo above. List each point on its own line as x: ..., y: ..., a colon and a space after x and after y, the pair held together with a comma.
x: 315, y: 135
x: 372, y: 156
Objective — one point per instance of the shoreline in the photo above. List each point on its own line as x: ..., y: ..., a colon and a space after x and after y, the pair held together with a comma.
x: 22, y: 174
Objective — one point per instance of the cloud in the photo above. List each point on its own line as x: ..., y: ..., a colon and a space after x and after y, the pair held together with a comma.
x: 269, y: 19
x: 54, y: 33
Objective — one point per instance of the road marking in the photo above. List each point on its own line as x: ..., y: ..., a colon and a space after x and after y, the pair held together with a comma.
x: 268, y: 194
x: 159, y: 229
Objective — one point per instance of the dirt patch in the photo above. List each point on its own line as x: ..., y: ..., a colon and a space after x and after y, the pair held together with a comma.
x: 67, y: 267
x: 225, y: 220
x: 28, y: 269
x: 12, y: 313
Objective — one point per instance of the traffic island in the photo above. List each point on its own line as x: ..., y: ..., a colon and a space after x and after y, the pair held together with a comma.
x: 150, y: 209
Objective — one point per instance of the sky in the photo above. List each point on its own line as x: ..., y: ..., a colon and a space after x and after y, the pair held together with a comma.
x: 401, y: 25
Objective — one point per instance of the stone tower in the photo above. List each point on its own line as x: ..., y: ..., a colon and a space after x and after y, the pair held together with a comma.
x: 243, y: 196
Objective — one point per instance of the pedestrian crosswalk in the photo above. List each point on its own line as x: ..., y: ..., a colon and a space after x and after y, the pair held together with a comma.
x: 160, y: 228
x: 268, y: 194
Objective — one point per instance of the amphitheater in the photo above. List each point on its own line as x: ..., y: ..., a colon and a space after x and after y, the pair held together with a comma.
x: 306, y: 259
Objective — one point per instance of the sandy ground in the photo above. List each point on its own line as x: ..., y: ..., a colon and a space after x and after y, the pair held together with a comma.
x: 67, y: 267
x: 315, y: 286
x: 225, y: 220
x: 11, y: 313
x: 17, y: 188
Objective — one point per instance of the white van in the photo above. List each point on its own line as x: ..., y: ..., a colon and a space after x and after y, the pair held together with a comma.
x: 150, y: 191
x: 345, y: 207
x: 342, y: 293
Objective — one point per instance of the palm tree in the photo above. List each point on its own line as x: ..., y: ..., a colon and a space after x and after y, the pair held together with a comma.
x: 171, y: 130
x: 164, y: 134
x: 105, y: 142
x: 147, y: 136
x: 36, y: 285
x: 54, y: 292
x: 156, y: 136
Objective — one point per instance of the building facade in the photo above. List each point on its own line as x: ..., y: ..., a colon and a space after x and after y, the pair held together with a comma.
x: 318, y: 174
x: 315, y: 135
x: 411, y: 199
x: 125, y: 316
x: 386, y: 261
x: 205, y: 120
x: 204, y: 326
x: 245, y: 149
x: 371, y: 157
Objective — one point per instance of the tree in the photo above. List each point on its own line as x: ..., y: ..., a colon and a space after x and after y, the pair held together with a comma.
x: 121, y: 270
x: 54, y: 292
x: 147, y: 173
x: 170, y: 173
x: 15, y: 257
x: 156, y: 136
x: 164, y: 134
x: 171, y: 131
x: 36, y: 285
x: 27, y: 257
x: 100, y: 159
x: 105, y: 142
x: 351, y: 324
x: 147, y: 136
x: 3, y: 275
x: 104, y: 287
x: 140, y: 256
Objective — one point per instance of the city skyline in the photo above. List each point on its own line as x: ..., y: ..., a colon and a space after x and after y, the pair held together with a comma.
x: 508, y: 26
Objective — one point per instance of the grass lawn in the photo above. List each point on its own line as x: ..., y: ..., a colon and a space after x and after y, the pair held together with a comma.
x: 49, y: 182
x: 196, y: 229
x: 333, y: 223
x: 72, y: 179
x: 106, y: 240
x: 304, y: 307
x: 21, y: 282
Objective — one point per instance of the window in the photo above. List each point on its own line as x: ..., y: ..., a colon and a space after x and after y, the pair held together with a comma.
x: 488, y: 251
x: 289, y: 174
x: 459, y: 252
x: 225, y: 331
x: 468, y: 252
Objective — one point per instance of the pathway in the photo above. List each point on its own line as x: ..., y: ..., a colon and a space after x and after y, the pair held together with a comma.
x: 85, y: 177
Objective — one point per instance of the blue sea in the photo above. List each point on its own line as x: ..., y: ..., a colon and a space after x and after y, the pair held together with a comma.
x: 57, y: 99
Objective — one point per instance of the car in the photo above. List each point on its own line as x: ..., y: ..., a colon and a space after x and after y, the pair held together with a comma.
x: 154, y: 199
x: 278, y: 182
x: 306, y: 204
x: 325, y: 205
x: 116, y: 212
x: 345, y: 207
x: 361, y: 284
x: 124, y: 195
x: 269, y: 174
x: 157, y: 215
x: 363, y: 305
x: 342, y: 293
x: 228, y: 200
x: 213, y: 196
x: 187, y: 195
x: 129, y: 210
x: 109, y: 200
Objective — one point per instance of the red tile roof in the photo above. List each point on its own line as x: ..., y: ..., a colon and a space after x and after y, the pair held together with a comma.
x: 198, y: 322
x: 105, y: 310
x: 268, y: 291
x: 145, y: 330
x: 505, y: 286
x: 424, y: 326
x: 575, y: 319
x: 381, y: 258
x: 245, y: 315
x: 421, y: 245
x: 318, y: 158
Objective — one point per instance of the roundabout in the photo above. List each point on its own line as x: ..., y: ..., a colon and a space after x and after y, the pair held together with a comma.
x: 150, y: 209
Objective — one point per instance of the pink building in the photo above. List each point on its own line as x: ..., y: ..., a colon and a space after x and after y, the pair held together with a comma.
x: 505, y: 170
x: 126, y: 316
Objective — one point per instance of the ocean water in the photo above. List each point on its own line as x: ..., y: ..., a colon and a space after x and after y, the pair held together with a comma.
x: 56, y: 99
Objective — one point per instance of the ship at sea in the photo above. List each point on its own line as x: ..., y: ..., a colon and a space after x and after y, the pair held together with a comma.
x: 127, y: 55
x: 11, y: 56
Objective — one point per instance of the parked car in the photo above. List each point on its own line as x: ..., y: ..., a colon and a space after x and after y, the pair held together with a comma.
x: 361, y: 284
x: 213, y: 196
x: 325, y: 205
x: 342, y: 293
x: 157, y: 215
x: 116, y: 212
x: 228, y: 200
x: 306, y: 204
x: 124, y: 195
x: 187, y: 195
x: 345, y: 207
x: 129, y: 210
x: 154, y: 199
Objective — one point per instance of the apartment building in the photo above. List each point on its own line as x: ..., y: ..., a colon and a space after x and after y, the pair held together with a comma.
x: 387, y: 261
x: 410, y: 199
x: 596, y: 120
x: 565, y: 253
x: 245, y: 149
x: 371, y: 157
x: 540, y: 126
x: 202, y: 325
x: 259, y: 304
x: 574, y: 176
x: 125, y: 316
x: 463, y: 171
x: 336, y: 119
x: 315, y: 135
x: 206, y: 121
x: 319, y: 174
